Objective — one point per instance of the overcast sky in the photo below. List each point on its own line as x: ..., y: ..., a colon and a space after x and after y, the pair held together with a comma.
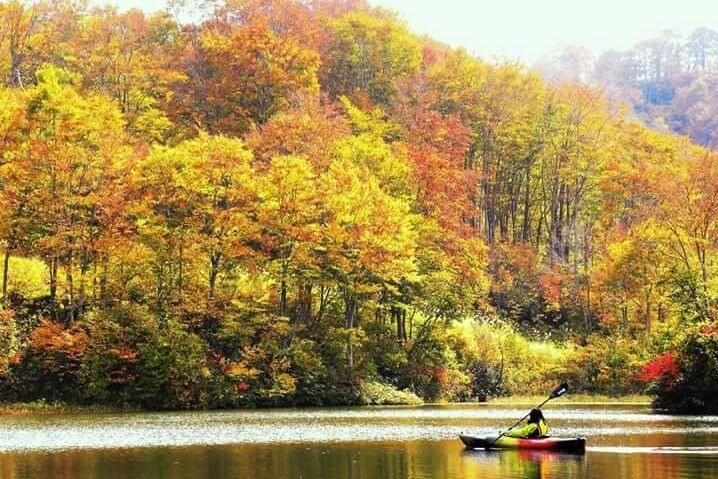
x: 528, y: 29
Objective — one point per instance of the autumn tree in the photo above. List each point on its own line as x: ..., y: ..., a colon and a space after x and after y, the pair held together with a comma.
x: 368, y: 239
x: 129, y: 58
x: 689, y: 213
x: 244, y: 77
x: 68, y: 167
x: 13, y: 220
x: 197, y: 216
x: 310, y: 129
x: 368, y: 53
x: 31, y: 34
x: 290, y: 215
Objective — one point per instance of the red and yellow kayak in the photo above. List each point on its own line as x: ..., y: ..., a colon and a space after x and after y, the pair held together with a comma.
x: 577, y: 444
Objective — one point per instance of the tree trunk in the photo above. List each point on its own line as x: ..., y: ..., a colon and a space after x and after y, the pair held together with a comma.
x: 304, y: 305
x: 526, y: 230
x: 103, y: 279
x: 5, y: 274
x: 70, y: 289
x: 53, y: 288
x: 84, y: 267
x: 350, y: 308
x: 180, y: 282
x: 624, y: 315
x: 214, y: 260
x: 283, y: 297
x: 587, y: 310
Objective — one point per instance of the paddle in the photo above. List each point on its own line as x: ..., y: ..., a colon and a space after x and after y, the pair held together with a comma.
x: 558, y: 392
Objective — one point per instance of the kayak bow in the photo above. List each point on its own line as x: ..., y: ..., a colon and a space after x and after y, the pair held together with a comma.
x: 545, y: 443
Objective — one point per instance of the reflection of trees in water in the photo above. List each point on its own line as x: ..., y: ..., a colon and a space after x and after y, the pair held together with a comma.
x: 527, y: 464
x: 371, y: 460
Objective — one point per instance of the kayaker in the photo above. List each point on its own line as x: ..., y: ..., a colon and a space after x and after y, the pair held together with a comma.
x: 535, y: 427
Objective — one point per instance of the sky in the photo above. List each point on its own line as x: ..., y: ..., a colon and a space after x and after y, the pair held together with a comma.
x: 526, y: 30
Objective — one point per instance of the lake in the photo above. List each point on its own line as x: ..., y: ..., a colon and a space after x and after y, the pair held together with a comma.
x: 624, y: 441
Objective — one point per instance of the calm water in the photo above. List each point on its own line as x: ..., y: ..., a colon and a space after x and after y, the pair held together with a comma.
x: 624, y: 441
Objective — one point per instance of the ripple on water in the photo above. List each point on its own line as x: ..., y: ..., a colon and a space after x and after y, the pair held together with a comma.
x: 98, y: 431
x: 710, y: 450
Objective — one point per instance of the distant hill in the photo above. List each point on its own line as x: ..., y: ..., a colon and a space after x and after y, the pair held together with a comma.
x: 669, y: 82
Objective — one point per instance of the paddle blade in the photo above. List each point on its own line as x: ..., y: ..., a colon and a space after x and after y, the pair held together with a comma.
x: 559, y: 391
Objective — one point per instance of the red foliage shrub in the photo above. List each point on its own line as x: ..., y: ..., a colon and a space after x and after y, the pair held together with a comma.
x: 15, y: 359
x: 57, y: 350
x: 664, y: 369
x: 441, y: 375
x: 550, y: 286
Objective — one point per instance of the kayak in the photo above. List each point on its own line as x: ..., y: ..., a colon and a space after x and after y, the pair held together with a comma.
x: 575, y: 444
x: 544, y: 443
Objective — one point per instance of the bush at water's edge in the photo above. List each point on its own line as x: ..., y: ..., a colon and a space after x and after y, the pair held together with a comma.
x: 685, y: 380
x: 123, y: 358
x: 374, y: 393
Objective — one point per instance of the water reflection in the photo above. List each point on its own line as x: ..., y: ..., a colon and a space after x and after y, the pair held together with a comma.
x: 416, y: 460
x: 410, y: 460
x: 528, y: 464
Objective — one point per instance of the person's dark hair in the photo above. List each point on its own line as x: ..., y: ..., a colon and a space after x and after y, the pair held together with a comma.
x: 535, y: 416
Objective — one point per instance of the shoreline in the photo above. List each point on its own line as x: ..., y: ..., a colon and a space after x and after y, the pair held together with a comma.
x: 588, y: 399
x: 42, y: 407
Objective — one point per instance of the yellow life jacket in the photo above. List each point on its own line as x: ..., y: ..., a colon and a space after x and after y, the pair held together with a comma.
x: 541, y: 429
x: 530, y: 430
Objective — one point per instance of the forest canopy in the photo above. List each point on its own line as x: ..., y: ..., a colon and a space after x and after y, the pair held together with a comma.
x: 303, y: 202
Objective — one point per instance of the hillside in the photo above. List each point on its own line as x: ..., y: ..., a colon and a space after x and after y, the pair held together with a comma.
x: 306, y: 203
x: 668, y: 82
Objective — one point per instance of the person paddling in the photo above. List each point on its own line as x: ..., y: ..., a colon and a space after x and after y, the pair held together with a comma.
x: 535, y: 427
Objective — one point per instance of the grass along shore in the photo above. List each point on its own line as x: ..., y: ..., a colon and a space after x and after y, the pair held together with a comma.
x: 589, y: 399
x: 44, y: 407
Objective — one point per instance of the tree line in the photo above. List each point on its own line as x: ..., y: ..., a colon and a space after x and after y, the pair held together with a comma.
x: 285, y: 200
